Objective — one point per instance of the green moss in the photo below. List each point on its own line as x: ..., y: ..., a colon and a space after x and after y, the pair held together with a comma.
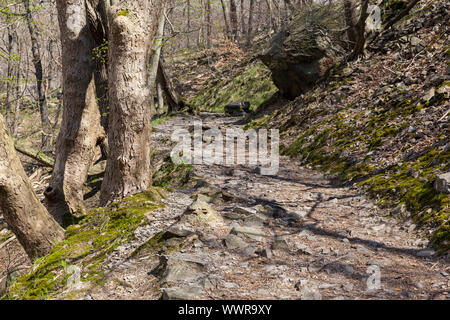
x: 251, y: 84
x: 172, y: 175
x: 123, y: 13
x: 341, y: 145
x: 257, y: 124
x: 87, y: 244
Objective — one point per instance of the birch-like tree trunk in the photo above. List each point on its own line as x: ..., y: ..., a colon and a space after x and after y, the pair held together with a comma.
x: 33, y: 226
x: 37, y: 62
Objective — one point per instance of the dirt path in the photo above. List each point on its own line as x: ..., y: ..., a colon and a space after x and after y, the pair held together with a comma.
x: 293, y: 236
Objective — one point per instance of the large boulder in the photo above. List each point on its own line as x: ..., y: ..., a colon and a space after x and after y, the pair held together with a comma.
x: 302, y: 52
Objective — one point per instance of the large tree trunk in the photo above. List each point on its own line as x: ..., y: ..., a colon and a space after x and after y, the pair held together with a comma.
x: 80, y: 128
x: 133, y: 25
x: 37, y: 62
x: 33, y: 226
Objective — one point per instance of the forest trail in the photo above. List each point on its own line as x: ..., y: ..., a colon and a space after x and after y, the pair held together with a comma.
x: 293, y: 236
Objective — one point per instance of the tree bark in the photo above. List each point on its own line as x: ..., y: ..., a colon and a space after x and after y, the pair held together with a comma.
x: 225, y: 19
x: 80, y: 128
x: 233, y: 20
x: 350, y: 21
x: 133, y: 25
x: 360, y: 30
x: 174, y: 102
x: 160, y: 94
x: 33, y: 226
x: 208, y: 24
x: 250, y: 22
x: 37, y: 62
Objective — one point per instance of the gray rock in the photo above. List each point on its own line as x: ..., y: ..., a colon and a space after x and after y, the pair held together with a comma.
x: 180, y: 230
x: 303, y: 249
x: 233, y: 241
x: 175, y: 269
x: 426, y: 253
x: 182, y: 293
x: 267, y: 253
x: 364, y: 250
x: 200, y: 213
x: 309, y: 294
x: 254, y: 221
x: 442, y: 183
x: 280, y: 244
x: 244, y: 211
x: 399, y: 210
x: 230, y: 285
x: 302, y: 51
x: 252, y: 233
x: 248, y: 251
x: 349, y: 287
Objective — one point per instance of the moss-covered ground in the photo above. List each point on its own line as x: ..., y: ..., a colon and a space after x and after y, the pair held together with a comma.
x: 87, y: 245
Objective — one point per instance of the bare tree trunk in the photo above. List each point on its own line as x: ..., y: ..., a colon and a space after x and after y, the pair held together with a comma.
x: 208, y: 23
x: 350, y: 21
x: 37, y: 61
x: 360, y: 30
x: 174, y: 102
x: 234, y: 20
x: 271, y: 15
x: 155, y: 57
x: 243, y: 18
x: 133, y: 25
x: 80, y: 127
x: 188, y: 9
x: 250, y: 22
x: 33, y: 226
x: 160, y: 94
x: 225, y: 19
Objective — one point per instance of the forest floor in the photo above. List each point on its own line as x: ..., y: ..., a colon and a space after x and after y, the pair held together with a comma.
x: 228, y: 232
x: 293, y: 235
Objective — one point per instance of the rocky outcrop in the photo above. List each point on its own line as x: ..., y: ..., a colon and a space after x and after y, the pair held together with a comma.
x: 301, y: 53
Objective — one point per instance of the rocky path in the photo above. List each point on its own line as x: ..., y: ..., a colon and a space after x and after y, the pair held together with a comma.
x: 290, y: 236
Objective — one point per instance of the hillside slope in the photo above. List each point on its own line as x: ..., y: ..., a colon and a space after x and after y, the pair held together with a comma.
x: 381, y: 122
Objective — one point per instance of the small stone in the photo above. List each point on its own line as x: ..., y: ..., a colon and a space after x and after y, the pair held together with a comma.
x: 183, y: 293
x: 311, y: 295
x: 349, y: 287
x: 252, y: 233
x: 232, y: 241
x: 364, y: 250
x: 442, y: 183
x: 280, y: 244
x: 315, y: 267
x: 430, y: 94
x: 179, y: 230
x: 426, y: 253
x: 230, y: 285
x: 267, y: 253
x: 254, y: 221
x: 248, y: 251
x: 378, y: 228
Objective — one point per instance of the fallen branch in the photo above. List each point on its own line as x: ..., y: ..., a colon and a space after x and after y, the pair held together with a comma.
x: 35, y: 155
